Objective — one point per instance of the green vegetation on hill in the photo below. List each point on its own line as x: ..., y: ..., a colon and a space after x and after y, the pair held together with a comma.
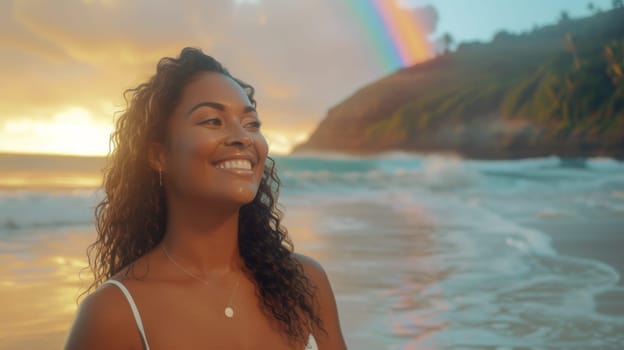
x: 557, y: 90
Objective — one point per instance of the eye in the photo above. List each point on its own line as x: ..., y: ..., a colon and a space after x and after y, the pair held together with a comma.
x: 256, y: 124
x: 211, y: 122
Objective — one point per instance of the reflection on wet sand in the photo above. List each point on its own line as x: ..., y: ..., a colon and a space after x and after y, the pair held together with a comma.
x: 379, y: 261
x: 39, y: 289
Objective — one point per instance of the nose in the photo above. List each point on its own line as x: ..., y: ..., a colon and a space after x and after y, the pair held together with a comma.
x: 238, y: 137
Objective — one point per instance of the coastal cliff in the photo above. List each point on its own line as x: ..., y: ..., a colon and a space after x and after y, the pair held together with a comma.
x: 558, y: 90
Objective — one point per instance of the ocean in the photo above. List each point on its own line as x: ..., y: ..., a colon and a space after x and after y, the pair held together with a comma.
x: 423, y: 252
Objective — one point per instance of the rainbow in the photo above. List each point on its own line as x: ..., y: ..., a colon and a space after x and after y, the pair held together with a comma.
x: 395, y: 32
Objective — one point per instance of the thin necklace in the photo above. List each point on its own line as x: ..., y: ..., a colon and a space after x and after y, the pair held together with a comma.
x: 229, y: 310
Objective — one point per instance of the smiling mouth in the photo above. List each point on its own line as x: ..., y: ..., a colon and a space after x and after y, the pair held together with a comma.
x: 236, y: 166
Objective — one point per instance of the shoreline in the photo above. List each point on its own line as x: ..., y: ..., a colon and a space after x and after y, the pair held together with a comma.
x: 599, y: 240
x: 573, y: 238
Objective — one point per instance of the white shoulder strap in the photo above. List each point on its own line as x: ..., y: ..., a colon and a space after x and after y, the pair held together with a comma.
x: 311, y: 343
x: 135, y: 310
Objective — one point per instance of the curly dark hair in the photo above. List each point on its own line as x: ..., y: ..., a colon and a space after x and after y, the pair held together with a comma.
x: 130, y: 220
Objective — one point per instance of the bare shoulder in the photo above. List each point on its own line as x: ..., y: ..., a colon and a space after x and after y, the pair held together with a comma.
x: 313, y: 269
x: 104, y: 321
x: 318, y: 277
x: 328, y: 312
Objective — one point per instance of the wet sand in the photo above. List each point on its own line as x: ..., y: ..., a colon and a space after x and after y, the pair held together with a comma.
x: 365, y: 247
x: 362, y: 246
x: 39, y: 288
x: 597, y: 239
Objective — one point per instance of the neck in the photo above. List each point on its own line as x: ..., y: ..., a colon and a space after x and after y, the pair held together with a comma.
x: 203, y: 238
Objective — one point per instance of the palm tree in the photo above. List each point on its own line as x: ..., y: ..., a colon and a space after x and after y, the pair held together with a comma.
x: 447, y: 41
x: 564, y: 17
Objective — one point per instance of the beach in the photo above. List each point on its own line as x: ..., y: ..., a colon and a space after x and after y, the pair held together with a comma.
x: 422, y: 253
x: 40, y: 286
x: 597, y: 240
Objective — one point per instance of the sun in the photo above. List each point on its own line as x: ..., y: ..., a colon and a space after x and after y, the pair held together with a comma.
x: 71, y: 131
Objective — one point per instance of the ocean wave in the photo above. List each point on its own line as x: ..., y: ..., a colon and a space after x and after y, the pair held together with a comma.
x: 599, y: 185
x: 448, y: 174
x: 23, y: 210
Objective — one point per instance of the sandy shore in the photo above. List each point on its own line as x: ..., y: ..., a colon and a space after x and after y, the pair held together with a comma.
x: 39, y: 288
x: 365, y: 248
x: 597, y: 239
x: 602, y: 241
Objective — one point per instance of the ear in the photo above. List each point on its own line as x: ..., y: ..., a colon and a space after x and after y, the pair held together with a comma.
x: 156, y: 156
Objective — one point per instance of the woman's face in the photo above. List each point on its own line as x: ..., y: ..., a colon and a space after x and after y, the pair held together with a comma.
x: 215, y: 148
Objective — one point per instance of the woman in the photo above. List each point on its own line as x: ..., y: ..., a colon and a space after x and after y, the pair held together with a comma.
x: 189, y: 237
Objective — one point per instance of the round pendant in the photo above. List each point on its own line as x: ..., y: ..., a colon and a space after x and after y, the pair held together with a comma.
x: 229, y: 312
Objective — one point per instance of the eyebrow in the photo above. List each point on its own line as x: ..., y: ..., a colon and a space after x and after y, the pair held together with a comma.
x: 216, y: 105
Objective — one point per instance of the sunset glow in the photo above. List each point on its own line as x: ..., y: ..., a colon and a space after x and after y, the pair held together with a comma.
x: 73, y: 130
x: 61, y: 59
x: 282, y: 142
x: 71, y: 56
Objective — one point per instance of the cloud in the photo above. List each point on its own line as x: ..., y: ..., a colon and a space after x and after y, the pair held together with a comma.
x: 302, y: 56
x: 428, y: 18
x: 426, y: 15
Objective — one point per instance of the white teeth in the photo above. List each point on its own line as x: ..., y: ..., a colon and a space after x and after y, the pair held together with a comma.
x: 235, y: 164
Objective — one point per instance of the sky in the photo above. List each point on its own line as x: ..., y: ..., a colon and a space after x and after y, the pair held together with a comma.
x: 65, y: 64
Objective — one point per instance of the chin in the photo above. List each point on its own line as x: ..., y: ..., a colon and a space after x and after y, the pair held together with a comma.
x: 246, y: 198
x: 240, y: 196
